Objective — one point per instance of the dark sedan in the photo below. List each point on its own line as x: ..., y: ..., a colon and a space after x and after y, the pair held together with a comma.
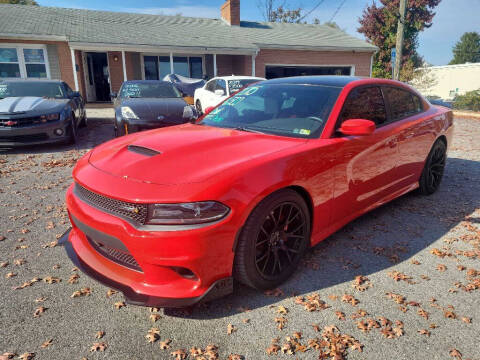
x: 149, y: 104
x: 38, y: 112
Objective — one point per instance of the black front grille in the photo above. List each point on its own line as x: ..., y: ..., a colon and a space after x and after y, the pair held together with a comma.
x: 19, y: 122
x: 24, y: 138
x: 126, y: 210
x: 115, y: 255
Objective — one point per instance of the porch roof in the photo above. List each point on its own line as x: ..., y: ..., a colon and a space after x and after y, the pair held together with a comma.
x: 129, y: 31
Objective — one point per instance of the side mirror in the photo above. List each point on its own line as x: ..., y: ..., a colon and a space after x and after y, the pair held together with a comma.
x: 219, y: 92
x: 357, y: 127
x: 113, y: 95
x: 208, y: 110
x: 76, y: 94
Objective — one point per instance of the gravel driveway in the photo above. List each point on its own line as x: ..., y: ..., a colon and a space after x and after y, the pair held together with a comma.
x: 402, y: 282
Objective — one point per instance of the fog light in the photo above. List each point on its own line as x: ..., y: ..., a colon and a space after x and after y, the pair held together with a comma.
x: 58, y: 132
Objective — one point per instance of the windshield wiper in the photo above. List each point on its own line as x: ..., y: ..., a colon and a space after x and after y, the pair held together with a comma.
x: 244, y: 128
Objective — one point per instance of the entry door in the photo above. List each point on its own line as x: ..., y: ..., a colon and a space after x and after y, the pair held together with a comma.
x: 366, y: 165
x: 89, y: 78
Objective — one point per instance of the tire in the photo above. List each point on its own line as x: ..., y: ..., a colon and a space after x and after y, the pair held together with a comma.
x: 119, y: 129
x: 83, y: 121
x: 72, y: 132
x: 198, y: 106
x: 265, y: 234
x: 433, y: 170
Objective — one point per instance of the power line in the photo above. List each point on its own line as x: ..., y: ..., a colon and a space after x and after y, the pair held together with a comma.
x: 312, y: 10
x: 336, y: 11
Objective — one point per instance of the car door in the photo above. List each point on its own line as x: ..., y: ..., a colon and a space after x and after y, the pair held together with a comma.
x: 415, y: 132
x: 365, y: 165
x: 220, y: 85
x: 208, y: 94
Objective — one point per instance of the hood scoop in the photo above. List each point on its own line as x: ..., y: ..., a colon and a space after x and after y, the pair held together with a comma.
x: 143, y: 150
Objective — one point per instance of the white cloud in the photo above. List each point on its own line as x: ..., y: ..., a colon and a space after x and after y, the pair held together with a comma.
x: 184, y: 10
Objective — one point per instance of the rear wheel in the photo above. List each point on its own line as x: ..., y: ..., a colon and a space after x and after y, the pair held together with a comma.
x: 83, y: 121
x: 273, y: 240
x: 433, y: 171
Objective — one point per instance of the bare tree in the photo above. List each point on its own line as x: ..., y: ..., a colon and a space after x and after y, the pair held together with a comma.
x: 268, y: 8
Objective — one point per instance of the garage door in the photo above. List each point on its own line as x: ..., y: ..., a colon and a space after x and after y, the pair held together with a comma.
x: 276, y: 71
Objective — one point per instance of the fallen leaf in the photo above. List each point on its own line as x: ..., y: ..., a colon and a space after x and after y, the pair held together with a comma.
x: 39, y: 311
x: 165, y: 344
x: 119, y: 304
x: 47, y: 343
x: 111, y: 292
x: 100, y: 334
x: 230, y: 329
x: 27, y: 356
x: 424, y: 332
x: 466, y: 320
x: 98, y: 346
x: 154, y: 317
x: 179, y: 354
x: 455, y: 353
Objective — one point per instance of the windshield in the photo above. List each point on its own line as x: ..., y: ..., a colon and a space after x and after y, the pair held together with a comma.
x: 237, y: 84
x: 145, y: 90
x: 24, y: 88
x: 281, y: 109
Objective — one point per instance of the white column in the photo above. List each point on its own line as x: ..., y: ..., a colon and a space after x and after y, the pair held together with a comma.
x: 74, y: 66
x: 253, y: 64
x: 214, y: 65
x: 171, y: 64
x: 124, y: 66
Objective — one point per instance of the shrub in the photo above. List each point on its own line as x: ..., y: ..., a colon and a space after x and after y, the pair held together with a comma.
x: 469, y: 101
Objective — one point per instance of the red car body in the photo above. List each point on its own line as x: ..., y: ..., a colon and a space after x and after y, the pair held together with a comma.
x: 341, y: 178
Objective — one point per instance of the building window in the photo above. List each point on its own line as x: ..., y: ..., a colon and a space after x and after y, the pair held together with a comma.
x: 9, y: 65
x: 23, y: 61
x: 157, y: 67
x: 35, y: 63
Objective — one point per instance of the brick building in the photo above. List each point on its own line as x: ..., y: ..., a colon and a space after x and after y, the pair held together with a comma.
x: 95, y: 51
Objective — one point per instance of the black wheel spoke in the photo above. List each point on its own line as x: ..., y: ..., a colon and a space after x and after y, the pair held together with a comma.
x: 277, y: 246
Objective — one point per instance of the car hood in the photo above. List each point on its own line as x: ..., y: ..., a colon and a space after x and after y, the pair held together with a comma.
x: 184, y: 154
x: 152, y: 108
x: 27, y: 104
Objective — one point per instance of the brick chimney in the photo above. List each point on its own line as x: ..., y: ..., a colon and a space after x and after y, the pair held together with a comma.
x: 231, y: 12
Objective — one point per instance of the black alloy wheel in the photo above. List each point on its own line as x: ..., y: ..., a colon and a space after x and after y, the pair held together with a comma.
x: 434, y: 167
x: 198, y: 106
x: 273, y: 240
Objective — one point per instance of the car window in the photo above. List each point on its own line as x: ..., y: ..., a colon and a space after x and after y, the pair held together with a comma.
x: 149, y: 90
x: 221, y: 85
x: 68, y: 89
x: 402, y: 103
x: 364, y: 103
x: 292, y: 110
x: 32, y: 88
x: 237, y: 84
x: 211, y: 85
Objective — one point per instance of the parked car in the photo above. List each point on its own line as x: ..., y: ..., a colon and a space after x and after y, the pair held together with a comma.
x: 38, y: 112
x: 149, y: 104
x: 173, y: 216
x: 441, y: 102
x: 218, y: 89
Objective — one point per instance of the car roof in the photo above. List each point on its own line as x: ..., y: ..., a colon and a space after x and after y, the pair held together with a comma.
x: 31, y: 81
x: 327, y: 80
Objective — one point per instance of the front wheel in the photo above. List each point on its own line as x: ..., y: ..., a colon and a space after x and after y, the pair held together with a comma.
x: 72, y: 132
x: 433, y: 170
x: 273, y: 240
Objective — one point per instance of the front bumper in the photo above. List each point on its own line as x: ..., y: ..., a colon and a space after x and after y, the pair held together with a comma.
x: 218, y: 289
x: 33, y: 135
x: 149, y: 266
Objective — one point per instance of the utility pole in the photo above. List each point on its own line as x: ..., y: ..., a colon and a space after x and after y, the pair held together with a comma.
x: 399, y: 45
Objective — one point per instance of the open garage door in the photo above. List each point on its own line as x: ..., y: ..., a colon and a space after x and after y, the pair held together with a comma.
x: 277, y: 71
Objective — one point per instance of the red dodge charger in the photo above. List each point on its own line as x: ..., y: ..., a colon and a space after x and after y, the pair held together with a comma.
x: 171, y: 216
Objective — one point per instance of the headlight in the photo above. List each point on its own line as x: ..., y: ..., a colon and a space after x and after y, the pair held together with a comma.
x: 50, y: 117
x: 186, y: 213
x: 128, y: 113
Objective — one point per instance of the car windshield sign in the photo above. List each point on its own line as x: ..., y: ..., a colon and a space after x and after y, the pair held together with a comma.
x: 292, y: 110
x: 143, y: 90
x: 40, y: 89
x: 237, y: 84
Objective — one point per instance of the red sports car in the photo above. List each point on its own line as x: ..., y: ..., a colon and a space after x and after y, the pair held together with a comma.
x: 171, y: 216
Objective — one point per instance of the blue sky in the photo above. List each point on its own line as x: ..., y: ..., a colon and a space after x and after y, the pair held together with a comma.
x: 454, y: 17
